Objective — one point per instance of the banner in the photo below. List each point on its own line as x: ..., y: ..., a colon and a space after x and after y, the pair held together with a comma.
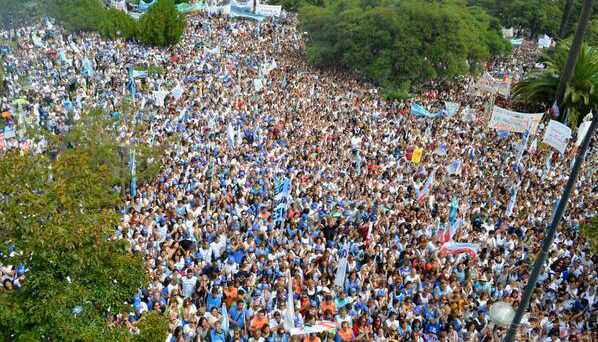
x: 341, y: 272
x: 177, y: 92
x: 418, y: 110
x: 243, y: 13
x: 320, y: 326
x: 246, y: 5
x: 510, y: 121
x: 556, y: 135
x: 454, y: 167
x: 458, y: 248
x: 187, y: 8
x: 268, y: 10
x: 491, y: 85
x: 139, y: 73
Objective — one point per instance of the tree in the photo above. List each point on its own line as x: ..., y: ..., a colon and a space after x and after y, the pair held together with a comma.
x: 390, y: 42
x: 162, y: 24
x: 98, y: 135
x: 59, y: 216
x: 589, y: 230
x: 581, y: 94
x: 117, y: 23
x: 77, y: 15
x: 538, y: 16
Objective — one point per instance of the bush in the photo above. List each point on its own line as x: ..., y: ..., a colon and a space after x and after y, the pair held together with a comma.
x: 162, y: 24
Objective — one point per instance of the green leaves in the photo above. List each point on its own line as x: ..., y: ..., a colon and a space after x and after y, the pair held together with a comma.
x: 580, y: 97
x: 58, y: 229
x: 390, y: 42
x: 162, y: 24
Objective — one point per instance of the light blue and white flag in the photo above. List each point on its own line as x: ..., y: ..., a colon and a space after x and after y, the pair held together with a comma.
x: 451, y: 109
x: 418, y: 110
x: 513, y: 199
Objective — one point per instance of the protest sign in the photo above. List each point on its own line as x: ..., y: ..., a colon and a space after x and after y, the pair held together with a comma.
x: 119, y: 5
x: 492, y: 85
x: 510, y: 121
x: 417, y: 155
x: 451, y: 109
x: 556, y: 135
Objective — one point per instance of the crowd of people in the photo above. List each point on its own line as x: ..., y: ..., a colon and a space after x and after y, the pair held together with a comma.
x: 250, y: 113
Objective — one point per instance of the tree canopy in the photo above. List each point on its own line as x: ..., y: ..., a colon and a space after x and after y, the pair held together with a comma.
x: 58, y: 217
x: 162, y: 24
x: 391, y: 42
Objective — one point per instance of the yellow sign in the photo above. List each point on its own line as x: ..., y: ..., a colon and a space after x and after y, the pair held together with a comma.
x: 417, y: 155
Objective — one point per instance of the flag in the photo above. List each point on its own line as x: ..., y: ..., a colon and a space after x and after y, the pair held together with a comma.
x: 533, y: 148
x: 289, y: 317
x: 458, y: 248
x: 358, y: 162
x: 454, y: 167
x: 139, y: 73
x: 230, y: 135
x: 451, y: 109
x: 523, y: 144
x: 554, y: 111
x: 423, y: 192
x: 341, y: 270
x: 453, y: 230
x: 454, y: 210
x: 442, y: 150
x: 225, y: 321
x: 177, y: 92
x: 513, y: 199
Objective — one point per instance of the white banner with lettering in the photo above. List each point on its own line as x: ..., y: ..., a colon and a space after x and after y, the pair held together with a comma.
x: 556, y: 135
x: 510, y: 121
x: 491, y: 85
x: 268, y: 10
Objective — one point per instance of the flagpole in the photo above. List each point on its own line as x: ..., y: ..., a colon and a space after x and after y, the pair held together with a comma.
x: 543, y: 254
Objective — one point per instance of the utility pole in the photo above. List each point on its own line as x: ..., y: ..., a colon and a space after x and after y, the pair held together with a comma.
x: 574, y: 52
x: 548, y: 239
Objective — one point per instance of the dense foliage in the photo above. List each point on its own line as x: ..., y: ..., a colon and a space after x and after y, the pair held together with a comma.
x: 58, y: 216
x: 391, y: 42
x: 538, y: 16
x: 162, y: 24
x: 581, y: 93
x: 589, y: 230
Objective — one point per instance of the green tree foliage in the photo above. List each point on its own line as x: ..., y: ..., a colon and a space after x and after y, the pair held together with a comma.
x: 162, y: 24
x: 117, y: 23
x: 589, y: 230
x: 295, y: 5
x: 581, y: 94
x: 77, y: 15
x: 538, y: 16
x: 59, y: 219
x: 153, y: 327
x: 391, y: 42
x: 97, y: 135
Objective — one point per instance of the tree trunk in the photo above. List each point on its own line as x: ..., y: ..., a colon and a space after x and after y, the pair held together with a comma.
x: 574, y: 52
x: 565, y: 18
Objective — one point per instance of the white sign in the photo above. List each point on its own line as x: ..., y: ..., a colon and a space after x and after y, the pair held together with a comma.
x: 556, y: 135
x: 119, y: 5
x: 268, y: 10
x: 316, y: 328
x: 510, y: 121
x: 491, y: 85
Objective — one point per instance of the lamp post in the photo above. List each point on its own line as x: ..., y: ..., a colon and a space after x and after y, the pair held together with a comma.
x: 543, y: 254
